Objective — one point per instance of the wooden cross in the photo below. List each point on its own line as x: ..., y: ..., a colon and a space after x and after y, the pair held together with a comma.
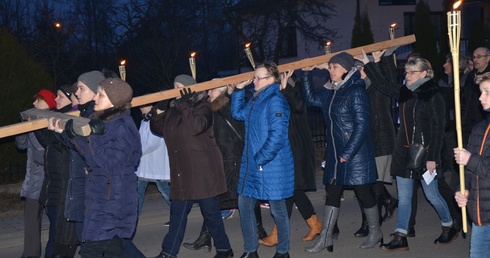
x: 40, y: 116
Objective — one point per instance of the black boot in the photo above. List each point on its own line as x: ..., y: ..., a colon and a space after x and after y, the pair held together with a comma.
x: 336, y: 232
x: 278, y: 255
x: 250, y: 255
x: 164, y: 255
x: 224, y: 254
x: 390, y: 205
x: 448, y: 234
x: 202, y: 242
x: 261, y: 233
x: 363, y: 231
x: 399, y: 243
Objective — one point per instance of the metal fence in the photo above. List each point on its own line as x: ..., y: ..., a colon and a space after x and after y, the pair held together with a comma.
x: 317, y: 126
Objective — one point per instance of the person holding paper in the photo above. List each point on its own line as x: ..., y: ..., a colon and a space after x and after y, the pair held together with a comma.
x: 476, y: 159
x: 421, y: 121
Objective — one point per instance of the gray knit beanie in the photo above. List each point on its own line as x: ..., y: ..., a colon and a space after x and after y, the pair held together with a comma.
x: 118, y: 91
x: 92, y: 79
x: 344, y: 59
x: 185, y: 80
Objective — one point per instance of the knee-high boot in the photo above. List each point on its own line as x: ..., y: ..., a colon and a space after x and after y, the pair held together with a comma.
x: 375, y: 235
x: 202, y: 242
x: 325, y: 240
x: 261, y: 233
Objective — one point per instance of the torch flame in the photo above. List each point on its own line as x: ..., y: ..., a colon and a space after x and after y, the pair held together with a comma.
x: 57, y: 25
x: 393, y: 25
x: 193, y: 54
x: 456, y: 5
x: 248, y: 45
x: 328, y: 43
x: 123, y: 62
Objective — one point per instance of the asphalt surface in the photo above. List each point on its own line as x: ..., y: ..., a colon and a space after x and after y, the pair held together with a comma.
x: 150, y: 232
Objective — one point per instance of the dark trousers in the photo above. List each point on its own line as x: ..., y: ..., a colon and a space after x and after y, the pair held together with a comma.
x: 303, y: 203
x: 105, y: 248
x: 179, y: 210
x: 364, y: 194
x: 32, y: 228
x: 52, y: 215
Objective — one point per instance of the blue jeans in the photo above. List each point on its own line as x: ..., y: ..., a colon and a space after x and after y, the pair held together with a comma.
x: 178, y: 222
x: 405, y: 192
x: 480, y: 237
x: 163, y: 187
x: 249, y: 224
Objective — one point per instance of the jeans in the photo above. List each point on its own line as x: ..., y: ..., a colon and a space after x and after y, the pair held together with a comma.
x: 480, y: 237
x: 179, y: 210
x: 405, y: 191
x: 163, y: 187
x: 249, y: 224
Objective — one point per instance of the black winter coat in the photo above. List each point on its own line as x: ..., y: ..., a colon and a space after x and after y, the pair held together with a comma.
x: 301, y: 140
x: 426, y: 105
x: 477, y: 174
x: 229, y: 138
x: 381, y: 127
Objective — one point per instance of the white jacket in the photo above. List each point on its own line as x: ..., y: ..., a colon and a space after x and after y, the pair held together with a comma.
x: 154, y: 164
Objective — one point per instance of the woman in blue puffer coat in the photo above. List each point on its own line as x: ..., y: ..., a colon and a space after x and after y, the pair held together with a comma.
x: 349, y: 150
x: 267, y: 169
x: 112, y: 152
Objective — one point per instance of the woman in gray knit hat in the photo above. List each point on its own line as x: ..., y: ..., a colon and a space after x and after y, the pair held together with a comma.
x: 349, y: 150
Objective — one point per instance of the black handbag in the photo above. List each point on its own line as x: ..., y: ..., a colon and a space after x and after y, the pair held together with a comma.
x: 416, y: 152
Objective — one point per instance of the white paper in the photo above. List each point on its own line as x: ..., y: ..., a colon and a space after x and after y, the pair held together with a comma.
x: 428, y: 177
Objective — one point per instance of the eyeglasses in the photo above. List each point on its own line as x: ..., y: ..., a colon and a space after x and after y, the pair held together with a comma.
x: 411, y: 72
x: 479, y: 56
x: 258, y: 78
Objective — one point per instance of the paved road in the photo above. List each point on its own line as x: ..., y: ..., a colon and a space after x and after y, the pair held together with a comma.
x: 155, y: 212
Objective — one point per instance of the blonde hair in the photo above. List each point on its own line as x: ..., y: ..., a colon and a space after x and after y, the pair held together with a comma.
x: 420, y: 64
x: 482, y: 78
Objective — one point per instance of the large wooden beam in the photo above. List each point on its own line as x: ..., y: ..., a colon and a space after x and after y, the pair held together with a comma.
x: 81, y: 124
x: 172, y: 93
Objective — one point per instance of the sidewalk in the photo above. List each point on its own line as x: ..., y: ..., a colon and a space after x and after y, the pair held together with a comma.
x: 155, y: 212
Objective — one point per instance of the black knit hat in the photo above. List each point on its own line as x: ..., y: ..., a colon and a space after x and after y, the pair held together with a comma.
x: 118, y: 91
x: 185, y: 80
x: 343, y: 59
x: 67, y: 90
x: 92, y: 79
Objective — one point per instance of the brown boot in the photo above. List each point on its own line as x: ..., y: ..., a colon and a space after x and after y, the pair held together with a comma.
x: 271, y: 240
x: 315, y: 228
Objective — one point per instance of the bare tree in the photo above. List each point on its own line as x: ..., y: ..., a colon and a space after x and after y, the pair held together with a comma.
x: 269, y: 25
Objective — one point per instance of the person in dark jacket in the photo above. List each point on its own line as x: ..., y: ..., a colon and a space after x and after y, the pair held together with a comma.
x: 382, y: 134
x: 32, y: 185
x: 422, y: 121
x: 87, y: 84
x: 349, y: 150
x: 112, y: 152
x: 229, y: 135
x: 196, y: 166
x: 476, y: 159
x: 56, y: 162
x: 267, y: 169
x: 303, y: 151
x: 471, y: 110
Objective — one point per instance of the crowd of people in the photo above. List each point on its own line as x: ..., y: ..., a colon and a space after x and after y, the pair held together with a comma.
x: 236, y: 146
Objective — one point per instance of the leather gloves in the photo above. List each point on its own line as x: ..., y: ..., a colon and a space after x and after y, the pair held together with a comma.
x: 69, y: 129
x: 186, y: 94
x: 97, y: 127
